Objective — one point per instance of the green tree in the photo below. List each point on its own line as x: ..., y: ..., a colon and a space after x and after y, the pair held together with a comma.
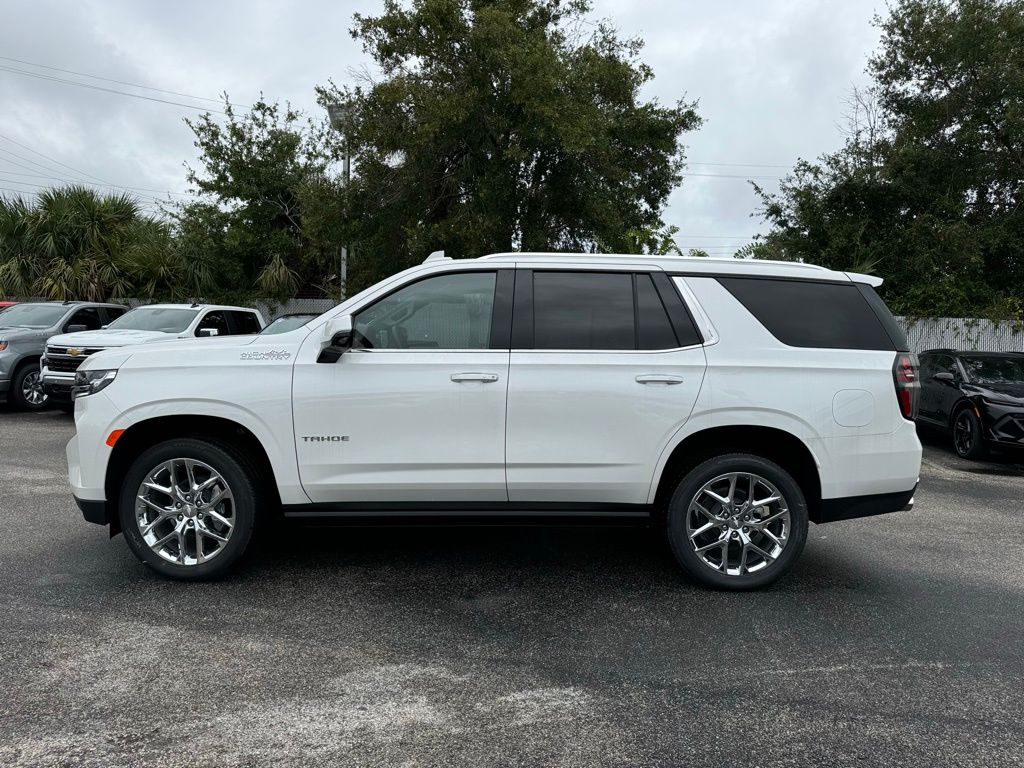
x: 928, y: 190
x: 267, y: 215
x: 499, y: 126
x: 75, y: 243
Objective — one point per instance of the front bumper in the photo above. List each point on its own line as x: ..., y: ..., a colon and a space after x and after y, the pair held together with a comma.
x: 57, y: 385
x: 1004, y: 424
x: 94, y: 511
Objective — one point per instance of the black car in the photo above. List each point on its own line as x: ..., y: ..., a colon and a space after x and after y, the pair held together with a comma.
x: 978, y: 397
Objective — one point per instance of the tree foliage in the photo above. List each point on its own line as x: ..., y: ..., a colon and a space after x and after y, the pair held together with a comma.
x: 75, y: 243
x: 503, y: 125
x: 268, y: 212
x: 928, y: 190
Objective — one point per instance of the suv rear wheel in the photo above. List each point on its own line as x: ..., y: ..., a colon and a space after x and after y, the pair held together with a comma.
x: 189, y: 507
x: 737, y: 521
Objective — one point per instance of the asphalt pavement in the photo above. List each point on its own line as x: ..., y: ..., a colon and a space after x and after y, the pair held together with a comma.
x: 898, y: 640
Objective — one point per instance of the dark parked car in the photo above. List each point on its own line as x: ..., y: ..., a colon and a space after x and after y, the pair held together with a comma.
x: 977, y: 397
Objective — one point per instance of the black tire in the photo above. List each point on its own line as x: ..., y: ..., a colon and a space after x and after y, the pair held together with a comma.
x: 686, y: 491
x: 968, y: 438
x: 248, y: 504
x: 16, y: 394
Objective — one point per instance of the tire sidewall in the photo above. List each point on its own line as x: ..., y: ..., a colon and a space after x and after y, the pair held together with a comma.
x: 243, y: 494
x: 978, y: 446
x: 697, y: 477
x: 16, y: 386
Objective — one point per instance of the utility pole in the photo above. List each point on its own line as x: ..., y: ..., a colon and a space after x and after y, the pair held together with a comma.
x: 338, y: 115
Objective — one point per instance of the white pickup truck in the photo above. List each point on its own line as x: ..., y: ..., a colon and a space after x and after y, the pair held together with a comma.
x: 143, y: 325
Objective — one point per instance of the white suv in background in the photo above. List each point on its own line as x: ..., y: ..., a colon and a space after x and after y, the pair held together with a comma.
x: 154, y: 322
x: 730, y: 401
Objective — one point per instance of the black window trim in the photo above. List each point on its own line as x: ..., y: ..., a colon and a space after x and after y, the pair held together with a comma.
x: 523, y: 339
x: 501, y: 310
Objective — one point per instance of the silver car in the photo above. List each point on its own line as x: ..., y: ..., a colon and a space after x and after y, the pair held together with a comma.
x: 24, y: 329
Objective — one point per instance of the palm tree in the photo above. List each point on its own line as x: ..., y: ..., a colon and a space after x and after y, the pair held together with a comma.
x: 76, y: 243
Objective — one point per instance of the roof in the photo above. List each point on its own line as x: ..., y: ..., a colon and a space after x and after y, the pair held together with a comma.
x: 195, y: 306
x: 691, y: 264
x: 73, y: 303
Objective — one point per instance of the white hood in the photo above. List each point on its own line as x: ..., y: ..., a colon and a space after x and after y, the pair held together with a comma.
x: 110, y: 338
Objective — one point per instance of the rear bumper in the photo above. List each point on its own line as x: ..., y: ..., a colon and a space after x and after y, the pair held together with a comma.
x: 850, y: 507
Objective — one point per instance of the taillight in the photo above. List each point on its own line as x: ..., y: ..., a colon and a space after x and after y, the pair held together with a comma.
x: 908, y: 387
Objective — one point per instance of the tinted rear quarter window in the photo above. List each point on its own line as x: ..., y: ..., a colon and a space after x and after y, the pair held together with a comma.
x: 803, y: 313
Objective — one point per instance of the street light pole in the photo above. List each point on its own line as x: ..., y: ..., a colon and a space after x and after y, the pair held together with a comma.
x: 338, y: 115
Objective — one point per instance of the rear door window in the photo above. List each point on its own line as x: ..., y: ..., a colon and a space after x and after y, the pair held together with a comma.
x: 583, y: 310
x: 804, y: 313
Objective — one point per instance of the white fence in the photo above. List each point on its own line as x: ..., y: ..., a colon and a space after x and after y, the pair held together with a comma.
x: 962, y: 333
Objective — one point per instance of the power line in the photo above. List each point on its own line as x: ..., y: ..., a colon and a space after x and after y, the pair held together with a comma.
x: 45, y: 157
x: 730, y: 176
x: 107, y: 90
x: 53, y: 160
x: 119, y: 82
x: 728, y: 165
x: 88, y: 184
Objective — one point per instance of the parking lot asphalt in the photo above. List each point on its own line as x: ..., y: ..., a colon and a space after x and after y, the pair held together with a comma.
x: 897, y: 641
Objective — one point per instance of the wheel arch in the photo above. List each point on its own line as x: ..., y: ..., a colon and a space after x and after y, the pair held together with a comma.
x: 149, y: 432
x: 777, y: 445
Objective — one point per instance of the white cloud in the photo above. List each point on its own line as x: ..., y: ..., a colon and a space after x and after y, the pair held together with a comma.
x: 770, y: 78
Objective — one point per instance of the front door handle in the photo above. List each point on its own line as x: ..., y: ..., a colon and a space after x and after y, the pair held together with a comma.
x: 486, y: 378
x: 659, y: 378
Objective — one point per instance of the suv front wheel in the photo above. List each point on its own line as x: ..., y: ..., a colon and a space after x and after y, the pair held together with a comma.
x: 188, y: 508
x: 737, y: 521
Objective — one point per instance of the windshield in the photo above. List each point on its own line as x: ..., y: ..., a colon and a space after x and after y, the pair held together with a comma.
x: 33, y: 315
x: 286, y: 323
x: 164, y: 319
x: 994, y: 370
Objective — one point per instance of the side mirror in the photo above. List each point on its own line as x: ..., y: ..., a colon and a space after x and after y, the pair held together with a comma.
x: 206, y: 332
x: 337, y: 338
x: 76, y: 328
x: 945, y: 377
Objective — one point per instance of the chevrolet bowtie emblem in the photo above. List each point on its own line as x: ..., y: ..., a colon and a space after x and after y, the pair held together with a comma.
x: 74, y: 352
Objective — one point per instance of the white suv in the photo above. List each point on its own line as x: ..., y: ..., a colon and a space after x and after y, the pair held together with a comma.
x: 731, y: 401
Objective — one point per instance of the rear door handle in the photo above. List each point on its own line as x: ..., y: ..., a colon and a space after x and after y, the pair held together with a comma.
x: 658, y: 378
x: 486, y: 378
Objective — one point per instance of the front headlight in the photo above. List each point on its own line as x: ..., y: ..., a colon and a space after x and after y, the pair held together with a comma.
x: 91, y: 382
x: 3, y: 344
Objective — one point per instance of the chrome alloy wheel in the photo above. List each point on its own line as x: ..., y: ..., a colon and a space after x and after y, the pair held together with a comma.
x: 738, y: 523
x: 32, y: 389
x: 185, y: 511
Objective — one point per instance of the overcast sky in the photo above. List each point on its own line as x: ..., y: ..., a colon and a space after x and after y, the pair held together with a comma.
x: 770, y: 77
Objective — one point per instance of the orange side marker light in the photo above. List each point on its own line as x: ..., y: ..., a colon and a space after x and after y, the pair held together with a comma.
x: 113, y: 437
